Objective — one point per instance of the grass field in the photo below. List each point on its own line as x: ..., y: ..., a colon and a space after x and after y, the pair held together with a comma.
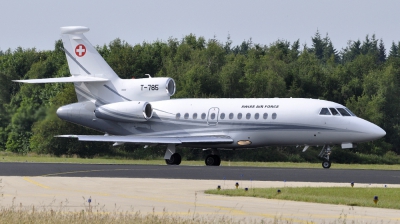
x: 387, y: 197
x: 13, y: 215
x: 33, y: 158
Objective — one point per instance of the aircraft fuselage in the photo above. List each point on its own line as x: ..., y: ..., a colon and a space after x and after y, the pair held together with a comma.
x: 249, y: 122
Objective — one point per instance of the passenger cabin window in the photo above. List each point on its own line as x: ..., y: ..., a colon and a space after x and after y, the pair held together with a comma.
x: 274, y: 116
x: 248, y: 116
x: 195, y: 116
x: 178, y: 116
x: 212, y: 116
x: 265, y: 116
x: 222, y: 116
x: 334, y: 112
x: 186, y: 116
x: 324, y: 111
x: 231, y: 116
x: 343, y: 112
x: 203, y: 116
x: 256, y: 116
x: 239, y: 116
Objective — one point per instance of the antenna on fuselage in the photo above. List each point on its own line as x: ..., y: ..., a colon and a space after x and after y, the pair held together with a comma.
x: 148, y: 75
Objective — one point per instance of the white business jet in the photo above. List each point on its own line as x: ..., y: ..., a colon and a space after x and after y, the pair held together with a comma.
x: 140, y: 111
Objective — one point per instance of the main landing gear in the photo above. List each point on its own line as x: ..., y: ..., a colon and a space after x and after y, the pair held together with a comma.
x: 175, y: 159
x: 324, y: 154
x: 213, y: 159
x: 171, y: 157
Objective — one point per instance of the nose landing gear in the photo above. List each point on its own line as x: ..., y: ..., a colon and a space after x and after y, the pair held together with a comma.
x: 324, y: 154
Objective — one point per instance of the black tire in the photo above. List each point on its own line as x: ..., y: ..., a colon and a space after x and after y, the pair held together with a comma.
x: 217, y: 160
x: 169, y: 162
x: 326, y: 164
x: 213, y: 160
x: 177, y: 159
x: 174, y: 160
x: 210, y: 160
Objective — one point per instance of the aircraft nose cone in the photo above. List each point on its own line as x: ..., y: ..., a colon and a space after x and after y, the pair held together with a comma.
x: 367, y: 131
x: 379, y: 133
x: 375, y: 132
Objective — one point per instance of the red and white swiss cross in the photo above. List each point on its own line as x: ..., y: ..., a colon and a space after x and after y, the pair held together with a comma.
x: 80, y: 50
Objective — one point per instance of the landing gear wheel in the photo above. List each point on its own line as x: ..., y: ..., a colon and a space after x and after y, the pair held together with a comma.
x: 324, y: 154
x: 326, y: 164
x: 217, y: 160
x: 174, y: 160
x: 210, y: 159
x: 213, y: 160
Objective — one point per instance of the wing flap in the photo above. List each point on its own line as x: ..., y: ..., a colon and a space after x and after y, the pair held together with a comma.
x: 153, y: 139
x: 64, y: 79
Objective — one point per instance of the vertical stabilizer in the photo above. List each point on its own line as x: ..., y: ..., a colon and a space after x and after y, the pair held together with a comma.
x: 83, y: 58
x: 84, y: 61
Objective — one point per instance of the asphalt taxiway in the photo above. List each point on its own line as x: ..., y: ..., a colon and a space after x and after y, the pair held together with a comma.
x: 201, y: 172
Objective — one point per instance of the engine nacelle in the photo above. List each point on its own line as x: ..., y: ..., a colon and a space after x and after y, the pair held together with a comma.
x: 149, y: 89
x: 131, y: 111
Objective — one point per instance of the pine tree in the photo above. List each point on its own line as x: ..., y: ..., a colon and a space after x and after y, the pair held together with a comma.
x: 393, y: 51
x: 382, y: 52
x: 318, y: 45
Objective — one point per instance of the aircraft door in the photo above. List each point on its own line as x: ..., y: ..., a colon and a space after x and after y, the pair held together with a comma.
x: 212, y: 117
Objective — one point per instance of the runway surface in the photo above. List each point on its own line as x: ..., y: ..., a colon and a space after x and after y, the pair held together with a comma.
x: 200, y: 172
x: 179, y: 190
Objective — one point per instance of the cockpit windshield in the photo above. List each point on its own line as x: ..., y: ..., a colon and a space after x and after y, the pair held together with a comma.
x: 348, y: 110
x: 334, y: 112
x: 337, y: 112
x: 343, y: 112
x: 324, y: 111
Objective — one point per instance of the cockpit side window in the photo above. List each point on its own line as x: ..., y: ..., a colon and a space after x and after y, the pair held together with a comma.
x: 324, y: 111
x: 334, y: 112
x: 348, y: 110
x: 343, y: 112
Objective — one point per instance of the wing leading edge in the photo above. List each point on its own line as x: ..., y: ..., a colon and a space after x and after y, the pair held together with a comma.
x: 211, y: 139
x: 64, y: 80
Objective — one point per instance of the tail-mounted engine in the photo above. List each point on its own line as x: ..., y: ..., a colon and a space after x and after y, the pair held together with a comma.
x: 131, y: 111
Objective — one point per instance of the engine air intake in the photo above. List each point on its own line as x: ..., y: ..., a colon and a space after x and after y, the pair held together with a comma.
x: 131, y: 111
x: 147, y: 111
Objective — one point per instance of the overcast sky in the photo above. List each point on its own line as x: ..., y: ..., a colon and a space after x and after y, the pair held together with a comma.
x: 36, y: 23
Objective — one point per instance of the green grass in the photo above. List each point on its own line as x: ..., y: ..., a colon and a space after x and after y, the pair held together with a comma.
x: 34, y: 158
x: 15, y: 215
x: 388, y: 197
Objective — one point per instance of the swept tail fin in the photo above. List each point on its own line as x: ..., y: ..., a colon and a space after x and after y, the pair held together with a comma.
x: 83, y: 59
x: 94, y: 80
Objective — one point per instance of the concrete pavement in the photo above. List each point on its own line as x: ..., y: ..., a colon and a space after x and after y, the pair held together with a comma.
x: 179, y: 197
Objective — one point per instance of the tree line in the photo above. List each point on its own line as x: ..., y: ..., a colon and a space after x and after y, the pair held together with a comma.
x: 361, y: 76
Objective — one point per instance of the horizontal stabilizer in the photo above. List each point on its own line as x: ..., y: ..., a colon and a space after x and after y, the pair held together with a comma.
x: 64, y: 79
x: 212, y: 139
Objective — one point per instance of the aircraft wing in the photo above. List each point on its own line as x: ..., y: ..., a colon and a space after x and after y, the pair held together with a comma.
x: 64, y: 79
x: 211, y: 139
